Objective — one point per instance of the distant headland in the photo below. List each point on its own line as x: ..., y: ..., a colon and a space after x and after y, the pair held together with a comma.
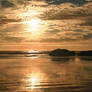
x: 65, y: 52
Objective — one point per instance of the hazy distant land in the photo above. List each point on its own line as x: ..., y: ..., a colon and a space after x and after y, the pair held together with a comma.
x: 54, y: 53
x: 65, y: 52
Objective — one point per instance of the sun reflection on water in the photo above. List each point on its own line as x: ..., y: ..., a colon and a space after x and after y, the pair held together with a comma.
x: 34, y: 80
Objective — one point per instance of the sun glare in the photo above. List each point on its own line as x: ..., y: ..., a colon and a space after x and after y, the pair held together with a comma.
x: 33, y: 25
x: 34, y: 80
x: 33, y: 51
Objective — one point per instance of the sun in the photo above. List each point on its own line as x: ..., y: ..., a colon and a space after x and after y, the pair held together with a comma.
x: 33, y: 22
x: 33, y: 25
x: 35, y: 28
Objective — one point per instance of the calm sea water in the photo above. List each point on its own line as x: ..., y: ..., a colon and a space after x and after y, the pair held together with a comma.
x: 42, y: 73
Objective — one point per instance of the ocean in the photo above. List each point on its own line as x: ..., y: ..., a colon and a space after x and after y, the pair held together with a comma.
x: 39, y: 72
x: 29, y: 29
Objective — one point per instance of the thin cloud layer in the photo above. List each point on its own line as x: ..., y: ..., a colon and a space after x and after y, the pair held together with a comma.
x: 66, y: 20
x: 71, y: 12
x: 5, y: 20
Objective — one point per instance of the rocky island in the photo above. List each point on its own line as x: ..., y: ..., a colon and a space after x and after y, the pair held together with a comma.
x: 62, y: 52
x: 65, y: 52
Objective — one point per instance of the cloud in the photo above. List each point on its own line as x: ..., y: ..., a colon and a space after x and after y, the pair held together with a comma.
x: 11, y: 34
x: 87, y: 36
x: 65, y: 21
x: 87, y: 22
x: 66, y: 36
x: 6, y: 4
x: 57, y: 2
x: 5, y: 20
x: 77, y: 2
x: 20, y: 1
x: 58, y: 40
x: 7, y: 36
x: 55, y: 31
x: 60, y: 12
x: 13, y: 39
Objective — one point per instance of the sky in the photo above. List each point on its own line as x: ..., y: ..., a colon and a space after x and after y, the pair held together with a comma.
x: 47, y: 23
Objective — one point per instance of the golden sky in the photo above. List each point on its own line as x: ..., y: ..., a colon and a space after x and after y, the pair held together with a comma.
x: 55, y: 23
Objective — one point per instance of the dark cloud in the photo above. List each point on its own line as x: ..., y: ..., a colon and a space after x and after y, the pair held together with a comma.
x: 55, y: 31
x: 77, y: 35
x: 4, y: 36
x: 6, y: 4
x: 13, y: 39
x: 74, y: 37
x: 87, y: 36
x: 20, y: 1
x: 11, y: 35
x: 63, y: 21
x: 50, y: 40
x: 58, y: 40
x: 87, y: 22
x: 5, y: 20
x: 79, y: 30
x: 69, y: 13
x: 57, y: 2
